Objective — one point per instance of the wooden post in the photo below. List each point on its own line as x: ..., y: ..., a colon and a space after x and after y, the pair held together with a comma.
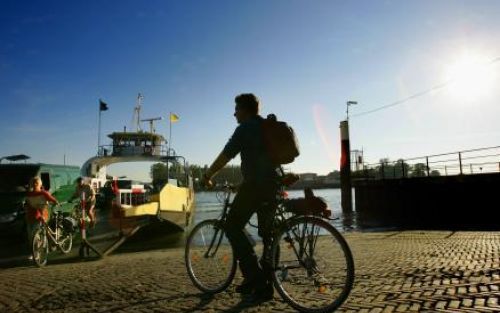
x: 460, y: 161
x: 428, y: 169
x: 83, y: 227
x: 345, y: 168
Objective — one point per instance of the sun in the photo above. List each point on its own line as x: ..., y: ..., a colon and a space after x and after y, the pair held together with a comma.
x: 472, y: 77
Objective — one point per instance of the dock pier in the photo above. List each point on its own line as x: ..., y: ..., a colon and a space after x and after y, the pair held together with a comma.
x: 456, y: 190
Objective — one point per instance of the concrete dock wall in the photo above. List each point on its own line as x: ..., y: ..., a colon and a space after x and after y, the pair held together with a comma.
x: 446, y: 202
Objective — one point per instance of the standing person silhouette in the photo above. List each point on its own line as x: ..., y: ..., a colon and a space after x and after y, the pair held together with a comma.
x: 256, y: 194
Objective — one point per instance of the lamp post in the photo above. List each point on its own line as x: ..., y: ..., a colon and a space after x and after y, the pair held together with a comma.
x: 348, y: 104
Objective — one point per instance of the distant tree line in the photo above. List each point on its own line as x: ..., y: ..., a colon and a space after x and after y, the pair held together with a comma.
x: 230, y: 174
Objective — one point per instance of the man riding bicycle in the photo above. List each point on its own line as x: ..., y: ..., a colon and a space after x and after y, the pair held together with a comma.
x: 256, y: 194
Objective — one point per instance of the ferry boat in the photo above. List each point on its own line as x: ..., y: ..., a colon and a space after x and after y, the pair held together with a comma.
x: 167, y: 198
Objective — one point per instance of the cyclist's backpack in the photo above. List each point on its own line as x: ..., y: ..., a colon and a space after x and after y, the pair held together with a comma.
x: 280, y: 140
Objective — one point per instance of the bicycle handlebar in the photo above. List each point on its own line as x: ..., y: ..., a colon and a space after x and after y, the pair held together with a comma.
x: 230, y: 188
x: 55, y: 205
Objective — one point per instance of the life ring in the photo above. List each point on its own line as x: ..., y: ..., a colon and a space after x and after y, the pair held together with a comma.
x: 148, y: 150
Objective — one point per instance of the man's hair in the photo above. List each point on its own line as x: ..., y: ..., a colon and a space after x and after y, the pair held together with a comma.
x: 79, y: 180
x: 249, y: 102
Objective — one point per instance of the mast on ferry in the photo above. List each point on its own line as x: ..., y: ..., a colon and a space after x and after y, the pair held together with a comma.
x: 136, y: 119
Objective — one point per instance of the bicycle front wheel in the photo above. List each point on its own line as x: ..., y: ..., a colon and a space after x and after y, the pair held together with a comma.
x: 40, y: 247
x: 314, y: 268
x: 65, y: 240
x: 209, y: 257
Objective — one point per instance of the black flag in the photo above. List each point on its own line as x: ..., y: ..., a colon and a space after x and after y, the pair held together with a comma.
x: 103, y: 106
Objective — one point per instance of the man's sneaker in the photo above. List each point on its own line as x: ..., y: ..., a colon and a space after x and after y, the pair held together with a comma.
x: 246, y: 287
x: 263, y: 293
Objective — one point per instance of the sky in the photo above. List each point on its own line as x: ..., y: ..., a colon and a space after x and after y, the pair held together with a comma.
x: 304, y: 60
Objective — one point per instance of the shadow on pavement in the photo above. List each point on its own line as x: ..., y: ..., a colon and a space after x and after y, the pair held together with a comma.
x: 244, y: 303
x: 156, y: 236
x: 205, y: 299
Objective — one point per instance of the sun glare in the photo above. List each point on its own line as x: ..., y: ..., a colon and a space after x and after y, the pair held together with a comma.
x: 471, y: 77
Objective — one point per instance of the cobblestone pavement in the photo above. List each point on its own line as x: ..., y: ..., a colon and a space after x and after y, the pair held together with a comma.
x: 395, y: 272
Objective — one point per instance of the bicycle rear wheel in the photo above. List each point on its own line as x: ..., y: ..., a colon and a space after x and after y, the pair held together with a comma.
x: 40, y: 247
x: 314, y: 268
x: 209, y: 257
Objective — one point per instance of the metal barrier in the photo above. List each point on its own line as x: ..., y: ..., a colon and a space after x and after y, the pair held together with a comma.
x: 466, y: 162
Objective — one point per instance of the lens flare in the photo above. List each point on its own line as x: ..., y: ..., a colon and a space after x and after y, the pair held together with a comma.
x: 326, y: 135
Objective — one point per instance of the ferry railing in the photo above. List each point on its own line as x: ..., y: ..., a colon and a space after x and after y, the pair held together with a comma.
x: 107, y: 150
x: 466, y: 162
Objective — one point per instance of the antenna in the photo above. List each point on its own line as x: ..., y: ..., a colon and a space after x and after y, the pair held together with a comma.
x: 151, y: 123
x: 137, y: 113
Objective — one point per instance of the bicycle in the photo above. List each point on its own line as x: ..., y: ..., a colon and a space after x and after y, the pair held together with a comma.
x: 56, y: 234
x: 311, y: 263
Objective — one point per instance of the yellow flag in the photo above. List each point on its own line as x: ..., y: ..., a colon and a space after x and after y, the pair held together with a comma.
x: 173, y: 118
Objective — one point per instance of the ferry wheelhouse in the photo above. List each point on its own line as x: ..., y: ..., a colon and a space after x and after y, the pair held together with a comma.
x: 133, y: 144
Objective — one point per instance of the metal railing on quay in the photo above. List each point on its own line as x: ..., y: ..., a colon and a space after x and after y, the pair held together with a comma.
x: 466, y: 162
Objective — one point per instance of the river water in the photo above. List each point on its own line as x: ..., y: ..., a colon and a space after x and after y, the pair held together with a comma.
x: 208, y: 206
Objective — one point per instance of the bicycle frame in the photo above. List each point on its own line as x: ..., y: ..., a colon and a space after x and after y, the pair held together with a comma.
x: 280, y: 221
x: 227, y: 196
x: 301, y: 253
x: 53, y: 235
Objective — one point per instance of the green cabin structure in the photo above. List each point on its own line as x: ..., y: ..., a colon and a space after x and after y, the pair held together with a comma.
x: 59, y: 180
